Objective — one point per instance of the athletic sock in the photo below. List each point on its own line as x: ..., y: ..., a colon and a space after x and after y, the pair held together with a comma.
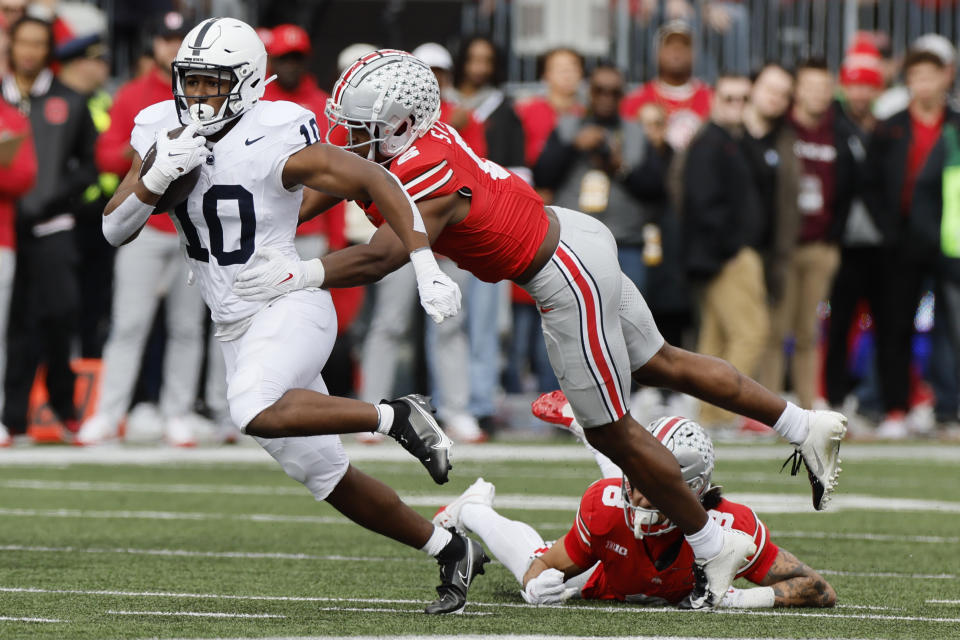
x: 707, y: 542
x: 793, y: 424
x: 385, y: 416
x: 455, y: 549
x: 439, y: 541
x: 512, y: 542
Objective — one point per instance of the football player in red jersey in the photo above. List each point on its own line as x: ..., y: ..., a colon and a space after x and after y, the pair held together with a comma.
x: 597, y: 326
x: 621, y: 548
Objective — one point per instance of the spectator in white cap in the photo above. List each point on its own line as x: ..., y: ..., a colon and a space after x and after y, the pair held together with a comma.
x: 897, y: 98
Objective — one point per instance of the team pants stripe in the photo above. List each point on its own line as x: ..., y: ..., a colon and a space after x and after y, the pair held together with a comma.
x: 593, y: 337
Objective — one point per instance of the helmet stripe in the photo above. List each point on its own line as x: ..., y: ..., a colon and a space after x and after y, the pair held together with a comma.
x: 359, y: 64
x: 198, y: 43
x: 667, y: 429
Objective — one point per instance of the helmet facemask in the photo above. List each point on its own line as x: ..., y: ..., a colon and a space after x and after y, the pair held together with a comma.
x: 201, y: 112
x: 693, y: 450
x: 642, y: 521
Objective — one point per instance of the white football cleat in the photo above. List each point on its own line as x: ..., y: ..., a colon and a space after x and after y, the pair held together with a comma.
x: 96, y: 430
x: 480, y: 492
x: 820, y: 453
x: 178, y: 432
x: 714, y: 576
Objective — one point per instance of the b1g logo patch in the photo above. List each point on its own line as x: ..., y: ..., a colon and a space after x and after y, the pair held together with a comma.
x: 56, y: 110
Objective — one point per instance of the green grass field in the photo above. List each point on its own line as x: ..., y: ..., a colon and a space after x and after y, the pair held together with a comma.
x: 224, y: 545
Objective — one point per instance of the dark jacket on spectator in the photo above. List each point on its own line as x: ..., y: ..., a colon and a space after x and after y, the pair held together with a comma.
x: 640, y: 180
x: 883, y: 177
x: 776, y: 173
x: 720, y: 207
x: 503, y: 129
x: 927, y: 212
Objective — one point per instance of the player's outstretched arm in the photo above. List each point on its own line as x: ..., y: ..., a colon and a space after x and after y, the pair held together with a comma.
x: 795, y: 584
x: 341, y: 173
x: 544, y: 581
x: 346, y: 175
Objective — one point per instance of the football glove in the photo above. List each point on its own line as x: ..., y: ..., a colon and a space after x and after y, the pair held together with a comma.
x: 271, y: 273
x: 175, y: 158
x: 439, y: 294
x: 547, y: 588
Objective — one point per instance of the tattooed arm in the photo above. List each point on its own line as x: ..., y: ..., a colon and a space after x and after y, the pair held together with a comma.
x: 795, y: 584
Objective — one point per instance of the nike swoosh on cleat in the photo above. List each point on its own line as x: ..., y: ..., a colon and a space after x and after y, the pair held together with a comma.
x: 249, y: 142
x: 175, y: 155
x: 819, y: 470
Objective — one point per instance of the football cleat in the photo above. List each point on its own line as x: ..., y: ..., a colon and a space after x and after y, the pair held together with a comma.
x: 820, y: 454
x: 178, y: 432
x: 417, y: 431
x: 554, y: 408
x: 714, y: 576
x: 456, y: 577
x: 95, y: 430
x: 480, y: 492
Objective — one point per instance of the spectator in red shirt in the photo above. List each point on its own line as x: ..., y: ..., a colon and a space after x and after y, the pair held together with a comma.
x: 18, y: 170
x: 896, y: 153
x: 561, y: 70
x: 685, y: 98
x: 146, y: 273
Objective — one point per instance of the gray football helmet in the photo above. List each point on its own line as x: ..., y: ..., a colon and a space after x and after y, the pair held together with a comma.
x: 389, y: 94
x: 693, y: 449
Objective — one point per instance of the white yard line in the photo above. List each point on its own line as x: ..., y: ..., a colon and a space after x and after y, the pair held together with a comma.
x: 502, y: 637
x: 889, y: 574
x: 194, y: 614
x: 942, y: 601
x: 251, y: 453
x: 186, y: 553
x: 14, y: 619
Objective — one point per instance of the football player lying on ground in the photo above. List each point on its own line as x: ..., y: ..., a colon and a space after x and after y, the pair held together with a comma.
x: 596, y: 324
x: 621, y: 548
x: 253, y: 156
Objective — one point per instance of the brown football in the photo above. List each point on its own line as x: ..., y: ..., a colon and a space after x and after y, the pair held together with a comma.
x: 179, y: 190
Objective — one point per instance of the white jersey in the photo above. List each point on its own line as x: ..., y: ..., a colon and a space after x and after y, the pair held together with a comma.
x: 239, y: 204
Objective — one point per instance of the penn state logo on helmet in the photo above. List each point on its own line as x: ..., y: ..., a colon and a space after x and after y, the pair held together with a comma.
x: 385, y: 101
x: 227, y: 49
x: 693, y: 449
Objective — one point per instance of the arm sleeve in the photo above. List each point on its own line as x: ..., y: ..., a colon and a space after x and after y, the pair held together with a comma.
x: 18, y: 178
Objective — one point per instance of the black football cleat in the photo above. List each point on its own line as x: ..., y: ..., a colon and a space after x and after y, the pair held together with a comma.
x: 456, y: 577
x: 417, y: 431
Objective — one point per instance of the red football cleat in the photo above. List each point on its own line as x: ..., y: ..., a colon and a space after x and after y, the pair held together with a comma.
x: 553, y: 407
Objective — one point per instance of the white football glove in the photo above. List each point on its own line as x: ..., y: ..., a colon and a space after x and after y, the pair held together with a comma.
x: 271, y: 273
x: 175, y: 158
x: 547, y: 588
x: 439, y: 295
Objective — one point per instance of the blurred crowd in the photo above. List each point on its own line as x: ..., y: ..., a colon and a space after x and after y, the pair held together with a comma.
x: 789, y: 221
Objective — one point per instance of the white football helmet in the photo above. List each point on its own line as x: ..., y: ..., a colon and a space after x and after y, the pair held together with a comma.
x: 391, y: 95
x: 693, y: 449
x: 226, y: 48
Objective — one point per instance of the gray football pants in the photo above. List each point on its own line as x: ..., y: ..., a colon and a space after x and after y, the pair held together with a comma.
x: 148, y: 269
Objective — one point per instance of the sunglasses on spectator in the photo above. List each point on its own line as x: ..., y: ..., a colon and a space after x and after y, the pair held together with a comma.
x: 610, y: 91
x: 731, y: 98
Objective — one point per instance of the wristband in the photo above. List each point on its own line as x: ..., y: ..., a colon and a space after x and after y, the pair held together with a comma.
x: 155, y: 181
x: 424, y: 261
x: 313, y: 273
x: 125, y: 220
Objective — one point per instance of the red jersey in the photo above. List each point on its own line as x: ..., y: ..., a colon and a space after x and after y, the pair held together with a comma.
x: 687, y: 107
x: 539, y: 119
x: 506, y: 224
x: 16, y: 178
x: 627, y: 570
x: 922, y: 141
x: 474, y: 133
x: 112, y: 151
x: 311, y: 97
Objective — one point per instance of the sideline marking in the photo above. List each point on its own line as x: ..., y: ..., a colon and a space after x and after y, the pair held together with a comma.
x: 194, y: 614
x: 13, y: 619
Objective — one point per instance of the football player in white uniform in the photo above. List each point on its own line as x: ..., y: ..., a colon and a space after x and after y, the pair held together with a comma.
x: 254, y: 158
